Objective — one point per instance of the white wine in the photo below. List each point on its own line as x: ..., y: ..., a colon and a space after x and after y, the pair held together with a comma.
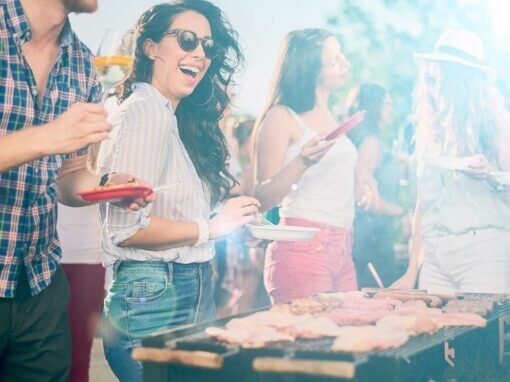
x: 113, y: 70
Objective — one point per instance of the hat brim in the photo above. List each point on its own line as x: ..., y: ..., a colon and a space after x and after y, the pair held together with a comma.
x: 440, y: 56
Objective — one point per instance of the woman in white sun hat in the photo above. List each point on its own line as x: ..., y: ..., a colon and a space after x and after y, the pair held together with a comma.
x: 461, y: 230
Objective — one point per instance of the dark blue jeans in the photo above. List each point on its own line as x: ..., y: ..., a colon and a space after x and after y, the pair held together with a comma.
x: 147, y: 297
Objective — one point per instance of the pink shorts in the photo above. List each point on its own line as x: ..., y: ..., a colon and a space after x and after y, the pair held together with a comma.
x: 296, y: 269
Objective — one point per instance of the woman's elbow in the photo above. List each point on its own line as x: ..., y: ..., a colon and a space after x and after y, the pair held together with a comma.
x: 125, y: 244
x: 262, y: 197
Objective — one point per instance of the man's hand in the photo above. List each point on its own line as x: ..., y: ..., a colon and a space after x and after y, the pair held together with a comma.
x: 81, y: 125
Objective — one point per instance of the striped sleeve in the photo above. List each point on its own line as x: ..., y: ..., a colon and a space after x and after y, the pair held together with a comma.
x: 141, y: 148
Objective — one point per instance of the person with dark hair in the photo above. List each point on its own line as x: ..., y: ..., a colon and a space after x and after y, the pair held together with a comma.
x: 242, y: 134
x: 461, y: 228
x: 47, y: 119
x: 239, y: 284
x: 377, y: 172
x: 311, y: 177
x: 168, y: 133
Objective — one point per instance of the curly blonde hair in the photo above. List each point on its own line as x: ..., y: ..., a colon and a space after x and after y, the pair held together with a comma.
x: 457, y: 111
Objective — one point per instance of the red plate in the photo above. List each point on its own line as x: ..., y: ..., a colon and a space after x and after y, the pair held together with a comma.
x: 116, y: 193
x: 351, y: 122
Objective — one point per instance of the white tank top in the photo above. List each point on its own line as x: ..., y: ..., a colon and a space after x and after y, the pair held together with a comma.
x: 325, y: 192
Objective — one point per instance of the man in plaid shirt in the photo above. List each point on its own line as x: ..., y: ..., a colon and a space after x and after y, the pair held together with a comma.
x: 47, y: 120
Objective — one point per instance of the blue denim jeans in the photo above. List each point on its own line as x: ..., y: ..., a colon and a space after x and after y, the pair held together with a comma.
x: 146, y: 297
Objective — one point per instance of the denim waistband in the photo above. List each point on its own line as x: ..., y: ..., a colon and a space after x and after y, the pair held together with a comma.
x: 157, y: 267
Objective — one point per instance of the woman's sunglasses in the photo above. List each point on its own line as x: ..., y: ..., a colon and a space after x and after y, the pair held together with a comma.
x: 188, y: 41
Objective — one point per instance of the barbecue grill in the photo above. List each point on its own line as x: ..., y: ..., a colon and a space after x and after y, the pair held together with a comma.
x: 450, y: 354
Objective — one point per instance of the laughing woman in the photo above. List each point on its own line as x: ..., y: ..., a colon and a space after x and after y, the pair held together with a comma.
x: 186, y: 53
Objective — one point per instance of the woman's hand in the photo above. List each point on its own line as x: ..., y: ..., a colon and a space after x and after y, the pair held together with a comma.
x: 369, y: 192
x: 480, y: 167
x: 407, y: 281
x: 132, y: 204
x: 314, y: 149
x: 235, y: 213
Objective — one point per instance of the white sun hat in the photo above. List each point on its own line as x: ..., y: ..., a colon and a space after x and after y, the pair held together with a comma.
x: 460, y: 46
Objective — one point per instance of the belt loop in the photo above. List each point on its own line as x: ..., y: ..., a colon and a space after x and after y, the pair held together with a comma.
x: 116, y: 266
x: 170, y: 272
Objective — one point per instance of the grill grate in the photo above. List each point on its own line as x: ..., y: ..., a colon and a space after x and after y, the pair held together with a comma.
x: 418, y: 344
x: 193, y: 338
x: 422, y: 358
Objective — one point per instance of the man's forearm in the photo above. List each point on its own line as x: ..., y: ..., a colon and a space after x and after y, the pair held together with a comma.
x: 21, y: 147
x: 75, y: 177
x: 78, y: 181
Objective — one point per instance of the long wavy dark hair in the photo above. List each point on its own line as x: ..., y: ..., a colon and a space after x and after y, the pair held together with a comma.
x: 370, y: 98
x: 197, y: 121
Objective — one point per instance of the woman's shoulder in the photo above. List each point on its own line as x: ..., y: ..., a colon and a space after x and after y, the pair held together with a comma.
x: 140, y: 112
x: 140, y: 105
x: 279, y: 108
x: 370, y: 149
x: 280, y: 116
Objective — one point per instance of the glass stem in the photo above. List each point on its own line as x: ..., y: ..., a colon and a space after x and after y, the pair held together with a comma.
x: 104, y: 97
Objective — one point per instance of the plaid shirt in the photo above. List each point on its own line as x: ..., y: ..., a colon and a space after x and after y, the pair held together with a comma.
x: 28, y: 193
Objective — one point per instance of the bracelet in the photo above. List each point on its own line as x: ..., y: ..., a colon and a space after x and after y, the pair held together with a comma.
x: 203, y: 232
x: 308, y: 162
x: 105, y: 178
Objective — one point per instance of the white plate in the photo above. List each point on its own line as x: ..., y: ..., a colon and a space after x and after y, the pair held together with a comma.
x: 282, y: 232
x: 451, y: 163
x: 503, y: 178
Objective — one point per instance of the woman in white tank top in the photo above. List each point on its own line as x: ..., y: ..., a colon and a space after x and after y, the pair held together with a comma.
x: 312, y: 178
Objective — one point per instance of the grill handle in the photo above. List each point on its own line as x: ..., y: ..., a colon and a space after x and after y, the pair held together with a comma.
x: 183, y: 357
x: 341, y: 369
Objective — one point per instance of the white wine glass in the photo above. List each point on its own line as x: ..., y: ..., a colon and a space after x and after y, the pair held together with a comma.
x: 113, y: 64
x: 114, y: 60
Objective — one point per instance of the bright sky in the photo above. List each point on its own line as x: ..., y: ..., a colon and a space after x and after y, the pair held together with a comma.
x: 261, y: 24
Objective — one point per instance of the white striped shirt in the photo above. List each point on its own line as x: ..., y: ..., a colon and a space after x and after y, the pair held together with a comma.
x: 146, y: 144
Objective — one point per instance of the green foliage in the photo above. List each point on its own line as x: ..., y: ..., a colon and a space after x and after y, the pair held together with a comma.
x: 380, y: 36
